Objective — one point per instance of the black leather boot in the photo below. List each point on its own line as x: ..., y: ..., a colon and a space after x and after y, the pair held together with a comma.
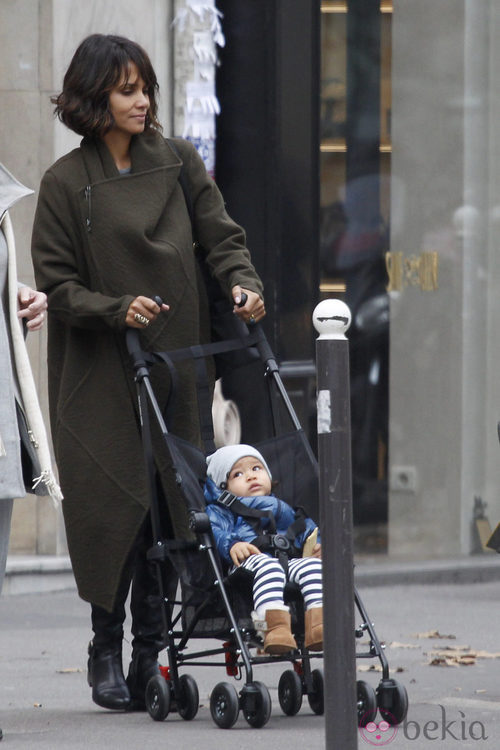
x: 143, y: 666
x: 147, y: 630
x: 147, y: 606
x: 106, y: 678
x: 105, y: 670
x: 148, y: 620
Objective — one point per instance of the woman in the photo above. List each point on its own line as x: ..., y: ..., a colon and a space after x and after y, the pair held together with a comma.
x: 24, y: 450
x: 111, y: 232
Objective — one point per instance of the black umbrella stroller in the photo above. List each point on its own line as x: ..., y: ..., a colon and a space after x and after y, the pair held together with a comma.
x: 215, y: 605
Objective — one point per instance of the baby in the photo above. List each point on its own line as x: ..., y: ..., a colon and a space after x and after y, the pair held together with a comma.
x: 244, y: 528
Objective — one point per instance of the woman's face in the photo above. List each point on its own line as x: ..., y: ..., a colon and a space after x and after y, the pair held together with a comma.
x: 129, y: 103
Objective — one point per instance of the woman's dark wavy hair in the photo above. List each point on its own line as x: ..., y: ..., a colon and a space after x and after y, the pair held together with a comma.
x: 97, y: 67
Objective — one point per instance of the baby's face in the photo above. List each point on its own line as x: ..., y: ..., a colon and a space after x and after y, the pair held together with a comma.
x: 249, y: 478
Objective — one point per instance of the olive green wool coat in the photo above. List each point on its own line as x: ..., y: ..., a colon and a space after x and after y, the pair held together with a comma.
x: 100, y: 239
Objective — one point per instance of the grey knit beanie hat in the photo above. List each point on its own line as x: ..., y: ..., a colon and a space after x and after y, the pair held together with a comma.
x: 220, y: 463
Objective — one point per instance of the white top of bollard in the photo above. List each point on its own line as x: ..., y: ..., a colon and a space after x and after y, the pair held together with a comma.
x: 331, y: 319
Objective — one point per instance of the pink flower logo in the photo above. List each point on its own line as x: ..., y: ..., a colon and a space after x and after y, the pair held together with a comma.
x: 378, y: 735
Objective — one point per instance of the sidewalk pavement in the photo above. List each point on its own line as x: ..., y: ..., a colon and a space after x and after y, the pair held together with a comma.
x: 438, y: 620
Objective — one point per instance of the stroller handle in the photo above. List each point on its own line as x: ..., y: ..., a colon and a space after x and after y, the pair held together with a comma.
x: 159, y: 300
x: 133, y: 342
x: 136, y: 353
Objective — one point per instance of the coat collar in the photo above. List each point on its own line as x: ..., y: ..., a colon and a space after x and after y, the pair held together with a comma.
x: 11, y: 190
x: 149, y: 151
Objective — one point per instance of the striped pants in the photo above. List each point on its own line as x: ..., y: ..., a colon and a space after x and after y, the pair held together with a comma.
x: 270, y: 579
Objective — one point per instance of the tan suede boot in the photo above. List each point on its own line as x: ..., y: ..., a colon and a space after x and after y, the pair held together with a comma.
x: 313, y: 636
x: 278, y: 638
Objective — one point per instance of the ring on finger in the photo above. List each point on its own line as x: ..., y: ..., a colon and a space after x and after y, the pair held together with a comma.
x: 141, y: 319
x: 252, y: 319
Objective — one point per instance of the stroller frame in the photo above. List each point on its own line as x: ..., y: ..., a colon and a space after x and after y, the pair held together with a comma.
x: 170, y: 691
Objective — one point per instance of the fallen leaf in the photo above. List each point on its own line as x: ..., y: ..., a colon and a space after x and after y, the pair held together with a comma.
x: 462, y: 654
x: 441, y: 661
x: 433, y: 634
x: 396, y: 644
x: 370, y: 668
x: 487, y: 655
x: 69, y: 670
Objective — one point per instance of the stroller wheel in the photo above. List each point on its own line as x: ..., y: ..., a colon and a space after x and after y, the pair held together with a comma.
x: 224, y: 705
x: 256, y: 704
x: 157, y: 697
x: 290, y: 692
x: 188, y: 702
x: 316, y: 696
x: 392, y: 700
x: 367, y: 703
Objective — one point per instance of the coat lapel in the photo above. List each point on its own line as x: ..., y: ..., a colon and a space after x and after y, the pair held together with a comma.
x: 139, y: 234
x: 149, y: 152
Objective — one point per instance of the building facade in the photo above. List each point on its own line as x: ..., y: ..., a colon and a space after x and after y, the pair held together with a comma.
x: 358, y: 146
x: 37, y: 41
x: 408, y: 217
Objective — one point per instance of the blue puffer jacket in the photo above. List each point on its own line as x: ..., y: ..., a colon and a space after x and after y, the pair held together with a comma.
x: 229, y: 528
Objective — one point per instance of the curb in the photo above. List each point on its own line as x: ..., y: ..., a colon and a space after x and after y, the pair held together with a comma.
x: 471, y: 569
x: 36, y: 574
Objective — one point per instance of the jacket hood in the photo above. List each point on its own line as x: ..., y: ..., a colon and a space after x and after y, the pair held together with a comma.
x: 211, y: 491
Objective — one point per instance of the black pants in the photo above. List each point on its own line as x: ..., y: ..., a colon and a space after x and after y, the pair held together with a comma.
x: 146, y: 606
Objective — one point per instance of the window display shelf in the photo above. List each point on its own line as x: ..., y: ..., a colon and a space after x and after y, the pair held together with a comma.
x: 340, y: 6
x: 338, y: 146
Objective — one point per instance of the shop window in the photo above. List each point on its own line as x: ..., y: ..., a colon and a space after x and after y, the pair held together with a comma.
x: 355, y: 164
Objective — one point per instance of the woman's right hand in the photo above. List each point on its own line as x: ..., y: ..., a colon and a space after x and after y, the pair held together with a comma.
x: 32, y: 306
x: 143, y: 311
x: 241, y: 550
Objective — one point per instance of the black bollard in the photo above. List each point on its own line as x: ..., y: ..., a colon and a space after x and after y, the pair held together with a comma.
x: 331, y: 319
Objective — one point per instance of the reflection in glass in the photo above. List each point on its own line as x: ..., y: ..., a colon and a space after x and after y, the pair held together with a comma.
x: 355, y: 177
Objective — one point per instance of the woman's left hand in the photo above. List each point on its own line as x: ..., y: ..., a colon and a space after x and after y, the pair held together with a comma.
x: 253, y: 310
x: 32, y: 306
